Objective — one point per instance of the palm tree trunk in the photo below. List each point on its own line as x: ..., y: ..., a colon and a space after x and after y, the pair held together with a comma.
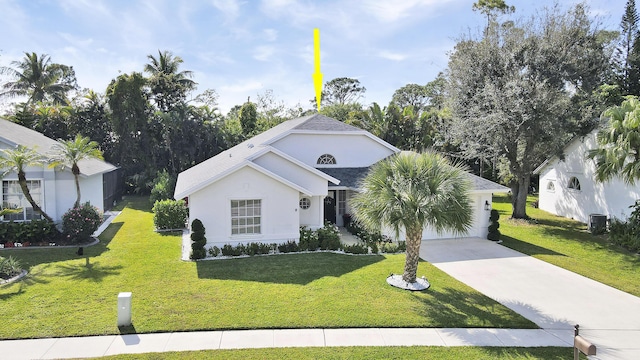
x: 414, y: 239
x: 76, y: 175
x: 22, y: 180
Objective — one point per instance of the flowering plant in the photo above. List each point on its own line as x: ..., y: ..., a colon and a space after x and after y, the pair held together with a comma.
x: 79, y: 223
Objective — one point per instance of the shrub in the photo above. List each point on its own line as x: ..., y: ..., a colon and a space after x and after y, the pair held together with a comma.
x: 169, y: 214
x: 9, y: 267
x: 389, y: 248
x: 308, y: 239
x: 356, y: 249
x: 494, y: 233
x: 329, y: 237
x: 289, y: 246
x: 402, y: 246
x: 199, y: 240
x: 163, y: 186
x: 79, y: 223
x: 35, y: 231
x: 625, y: 234
x: 230, y: 250
x: 214, y: 251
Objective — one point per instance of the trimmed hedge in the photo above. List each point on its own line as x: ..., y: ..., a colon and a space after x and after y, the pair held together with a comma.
x: 169, y: 214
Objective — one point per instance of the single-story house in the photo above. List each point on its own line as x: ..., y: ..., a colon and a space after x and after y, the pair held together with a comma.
x: 568, y: 187
x: 301, y: 172
x: 54, y: 188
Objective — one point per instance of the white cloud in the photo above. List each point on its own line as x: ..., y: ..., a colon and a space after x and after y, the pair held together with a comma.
x: 263, y: 52
x: 270, y: 34
x: 392, y: 11
x: 76, y: 40
x: 391, y: 55
x: 230, y: 8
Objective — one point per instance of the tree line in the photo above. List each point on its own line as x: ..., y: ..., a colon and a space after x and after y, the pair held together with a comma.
x: 512, y: 95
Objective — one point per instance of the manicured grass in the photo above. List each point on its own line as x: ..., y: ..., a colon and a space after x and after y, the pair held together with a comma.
x: 67, y: 295
x: 568, y: 244
x: 414, y: 352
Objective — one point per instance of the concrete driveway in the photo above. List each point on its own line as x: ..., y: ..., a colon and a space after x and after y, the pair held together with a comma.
x: 553, y: 298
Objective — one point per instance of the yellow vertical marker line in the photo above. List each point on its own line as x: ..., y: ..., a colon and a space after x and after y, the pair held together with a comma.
x: 317, y: 75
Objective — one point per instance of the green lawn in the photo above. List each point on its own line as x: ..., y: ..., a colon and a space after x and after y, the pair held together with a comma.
x: 67, y: 295
x: 567, y: 244
x: 413, y: 352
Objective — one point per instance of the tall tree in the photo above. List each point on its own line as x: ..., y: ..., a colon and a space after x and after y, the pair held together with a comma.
x: 37, y: 78
x: 516, y: 92
x: 410, y: 191
x: 248, y: 118
x: 341, y: 91
x: 492, y: 8
x: 169, y: 86
x: 70, y: 152
x: 412, y: 95
x: 130, y: 112
x: 618, y: 151
x: 627, y: 54
x: 17, y: 160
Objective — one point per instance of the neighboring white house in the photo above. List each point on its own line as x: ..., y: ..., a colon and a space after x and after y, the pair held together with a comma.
x: 568, y: 187
x: 298, y: 173
x: 53, y: 189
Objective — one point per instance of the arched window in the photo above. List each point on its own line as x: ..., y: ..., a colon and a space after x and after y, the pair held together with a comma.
x: 326, y: 159
x: 551, y: 186
x: 305, y: 203
x: 574, y: 183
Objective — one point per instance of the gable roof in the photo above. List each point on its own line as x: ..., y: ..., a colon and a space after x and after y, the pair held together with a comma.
x: 553, y: 159
x: 228, y: 161
x: 14, y: 134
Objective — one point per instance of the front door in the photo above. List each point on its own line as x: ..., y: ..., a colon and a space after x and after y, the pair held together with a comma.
x: 330, y: 208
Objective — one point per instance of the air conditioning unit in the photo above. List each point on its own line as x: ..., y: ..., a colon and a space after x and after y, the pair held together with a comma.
x: 597, y: 223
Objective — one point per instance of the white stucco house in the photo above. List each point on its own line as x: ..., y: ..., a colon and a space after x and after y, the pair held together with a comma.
x: 298, y: 173
x: 568, y: 187
x: 53, y: 188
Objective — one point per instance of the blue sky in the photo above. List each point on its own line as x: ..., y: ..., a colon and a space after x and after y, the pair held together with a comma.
x: 243, y: 48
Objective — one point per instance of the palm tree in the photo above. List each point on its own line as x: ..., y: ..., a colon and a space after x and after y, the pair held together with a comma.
x: 38, y: 79
x: 618, y: 151
x: 168, y: 84
x: 409, y: 191
x: 71, y: 152
x: 17, y: 160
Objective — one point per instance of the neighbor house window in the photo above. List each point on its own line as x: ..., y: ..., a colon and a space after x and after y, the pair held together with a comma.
x: 13, y: 198
x: 305, y: 203
x: 342, y: 202
x: 326, y: 159
x: 551, y: 186
x: 574, y: 183
x: 245, y: 217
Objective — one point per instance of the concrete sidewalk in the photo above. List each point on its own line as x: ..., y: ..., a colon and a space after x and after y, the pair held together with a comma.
x: 96, y: 346
x: 554, y: 298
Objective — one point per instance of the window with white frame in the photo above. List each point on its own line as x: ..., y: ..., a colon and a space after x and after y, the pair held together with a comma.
x: 551, y: 187
x: 245, y: 217
x: 305, y: 203
x: 13, y: 198
x: 342, y: 202
x: 326, y: 159
x: 574, y: 183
